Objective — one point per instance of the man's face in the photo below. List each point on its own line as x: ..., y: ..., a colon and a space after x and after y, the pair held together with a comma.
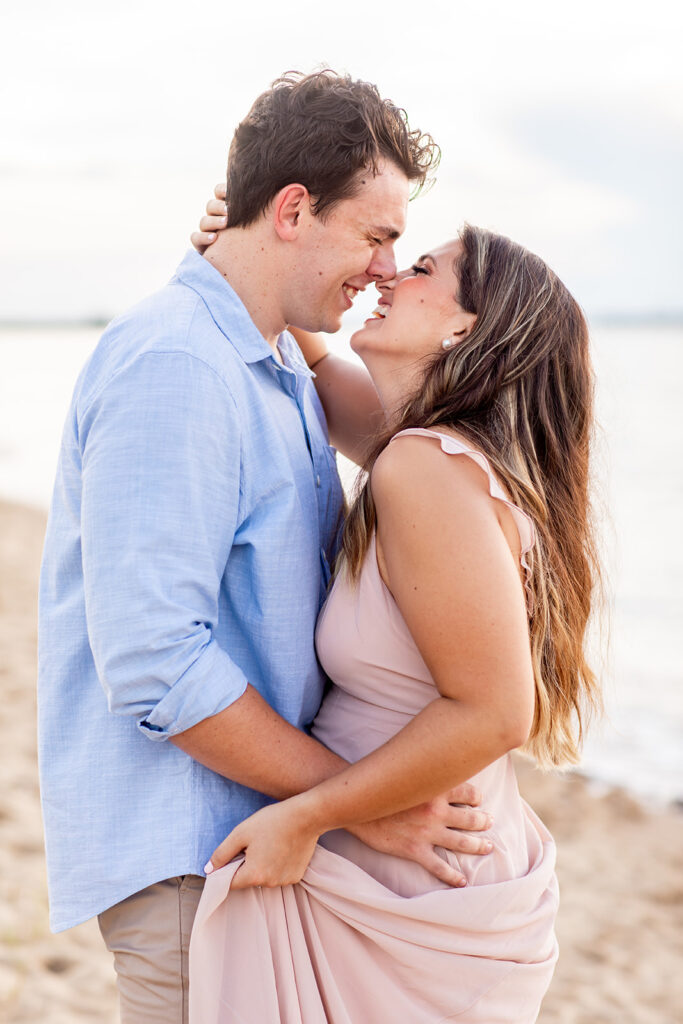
x: 352, y: 247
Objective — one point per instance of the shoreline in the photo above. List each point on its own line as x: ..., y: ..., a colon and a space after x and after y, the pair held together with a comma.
x: 620, y: 924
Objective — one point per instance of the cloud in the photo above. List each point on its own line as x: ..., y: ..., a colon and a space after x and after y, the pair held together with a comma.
x: 559, y: 125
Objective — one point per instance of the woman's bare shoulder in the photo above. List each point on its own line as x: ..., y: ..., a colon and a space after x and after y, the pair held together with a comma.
x: 415, y: 467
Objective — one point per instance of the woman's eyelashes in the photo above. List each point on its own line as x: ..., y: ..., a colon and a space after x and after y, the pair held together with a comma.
x: 417, y: 269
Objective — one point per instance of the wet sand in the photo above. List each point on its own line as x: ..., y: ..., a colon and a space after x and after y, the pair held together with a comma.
x: 620, y: 866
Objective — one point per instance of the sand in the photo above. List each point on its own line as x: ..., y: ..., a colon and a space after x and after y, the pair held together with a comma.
x: 620, y: 866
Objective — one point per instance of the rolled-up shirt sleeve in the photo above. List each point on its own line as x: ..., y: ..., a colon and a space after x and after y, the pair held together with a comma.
x: 160, y: 449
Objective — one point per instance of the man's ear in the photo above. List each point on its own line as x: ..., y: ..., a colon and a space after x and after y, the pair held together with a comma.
x: 288, y: 207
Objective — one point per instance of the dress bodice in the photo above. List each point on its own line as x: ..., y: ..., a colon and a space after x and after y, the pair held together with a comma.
x: 380, y: 681
x: 365, y: 646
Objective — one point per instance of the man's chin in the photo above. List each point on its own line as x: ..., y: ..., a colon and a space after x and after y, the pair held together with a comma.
x: 332, y: 317
x: 320, y: 324
x: 325, y: 325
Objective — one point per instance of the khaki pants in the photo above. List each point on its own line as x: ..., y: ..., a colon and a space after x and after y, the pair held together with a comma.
x: 149, y: 935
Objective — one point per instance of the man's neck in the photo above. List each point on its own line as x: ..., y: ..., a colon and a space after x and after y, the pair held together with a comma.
x: 242, y: 257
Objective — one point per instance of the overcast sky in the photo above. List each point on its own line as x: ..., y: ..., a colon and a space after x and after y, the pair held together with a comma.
x: 560, y: 124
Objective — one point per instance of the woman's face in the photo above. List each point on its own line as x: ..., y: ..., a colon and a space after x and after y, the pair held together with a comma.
x: 416, y: 311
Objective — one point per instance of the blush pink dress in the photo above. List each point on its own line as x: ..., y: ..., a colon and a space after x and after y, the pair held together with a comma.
x: 367, y: 938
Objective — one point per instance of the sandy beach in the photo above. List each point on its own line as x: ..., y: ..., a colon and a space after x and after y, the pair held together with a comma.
x: 620, y: 866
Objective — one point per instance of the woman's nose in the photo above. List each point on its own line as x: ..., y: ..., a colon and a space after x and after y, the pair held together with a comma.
x: 386, y: 287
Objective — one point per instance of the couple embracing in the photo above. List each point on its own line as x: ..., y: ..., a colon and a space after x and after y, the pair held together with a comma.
x: 270, y: 725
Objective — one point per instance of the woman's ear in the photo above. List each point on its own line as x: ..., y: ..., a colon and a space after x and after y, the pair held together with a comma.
x: 464, y: 325
x: 288, y: 207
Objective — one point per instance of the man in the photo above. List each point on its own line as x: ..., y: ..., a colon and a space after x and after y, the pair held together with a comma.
x: 195, y: 516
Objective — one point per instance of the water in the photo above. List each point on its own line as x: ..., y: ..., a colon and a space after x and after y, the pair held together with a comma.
x: 640, y: 481
x: 639, y: 408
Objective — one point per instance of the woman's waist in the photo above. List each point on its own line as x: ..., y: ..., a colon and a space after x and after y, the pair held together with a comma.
x: 353, y: 727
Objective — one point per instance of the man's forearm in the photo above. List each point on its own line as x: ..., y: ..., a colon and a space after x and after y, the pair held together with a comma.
x: 251, y: 744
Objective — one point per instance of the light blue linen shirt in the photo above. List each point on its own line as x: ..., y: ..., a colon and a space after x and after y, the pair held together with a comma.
x: 196, y: 509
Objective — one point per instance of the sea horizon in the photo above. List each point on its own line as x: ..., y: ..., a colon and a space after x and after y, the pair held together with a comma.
x: 599, y: 318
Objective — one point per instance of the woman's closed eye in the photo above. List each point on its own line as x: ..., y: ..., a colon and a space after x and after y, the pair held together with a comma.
x: 417, y: 269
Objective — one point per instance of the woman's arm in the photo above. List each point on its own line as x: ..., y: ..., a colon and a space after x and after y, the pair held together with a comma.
x: 457, y: 584
x: 348, y: 396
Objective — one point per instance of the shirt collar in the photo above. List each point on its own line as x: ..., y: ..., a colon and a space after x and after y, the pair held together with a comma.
x: 225, y: 306
x: 292, y: 355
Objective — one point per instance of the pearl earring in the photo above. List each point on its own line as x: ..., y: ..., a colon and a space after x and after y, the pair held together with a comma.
x: 446, y: 344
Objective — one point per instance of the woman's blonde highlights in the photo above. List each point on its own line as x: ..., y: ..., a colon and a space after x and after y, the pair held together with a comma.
x: 520, y: 388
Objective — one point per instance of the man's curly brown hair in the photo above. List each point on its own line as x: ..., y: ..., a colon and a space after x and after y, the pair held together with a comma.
x: 321, y: 130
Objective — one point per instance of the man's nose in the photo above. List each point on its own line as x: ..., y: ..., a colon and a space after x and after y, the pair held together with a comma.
x: 388, y: 285
x: 383, y: 264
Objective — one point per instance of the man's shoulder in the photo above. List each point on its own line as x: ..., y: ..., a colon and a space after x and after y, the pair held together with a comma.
x: 171, y: 322
x: 174, y: 318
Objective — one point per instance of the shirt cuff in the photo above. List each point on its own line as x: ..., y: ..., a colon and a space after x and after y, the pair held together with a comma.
x: 212, y: 683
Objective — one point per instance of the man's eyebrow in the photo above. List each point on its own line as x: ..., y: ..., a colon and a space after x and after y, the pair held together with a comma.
x: 385, y: 232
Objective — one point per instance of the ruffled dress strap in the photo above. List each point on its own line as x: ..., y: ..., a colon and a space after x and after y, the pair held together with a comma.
x: 523, y: 521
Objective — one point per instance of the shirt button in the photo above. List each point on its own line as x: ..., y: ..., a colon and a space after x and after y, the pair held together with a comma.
x: 317, y: 481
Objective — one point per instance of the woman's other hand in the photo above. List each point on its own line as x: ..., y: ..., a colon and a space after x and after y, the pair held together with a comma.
x: 214, y: 220
x: 277, y: 842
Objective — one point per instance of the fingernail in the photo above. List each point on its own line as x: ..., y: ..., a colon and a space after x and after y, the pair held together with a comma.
x: 488, y: 846
x: 211, y: 237
x: 208, y: 868
x: 489, y: 821
x: 462, y: 883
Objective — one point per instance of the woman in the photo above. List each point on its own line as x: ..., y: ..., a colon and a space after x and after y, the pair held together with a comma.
x: 453, y: 634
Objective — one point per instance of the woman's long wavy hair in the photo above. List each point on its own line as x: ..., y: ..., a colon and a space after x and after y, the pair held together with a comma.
x: 520, y: 388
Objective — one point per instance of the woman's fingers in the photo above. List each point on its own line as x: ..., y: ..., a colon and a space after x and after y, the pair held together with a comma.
x: 213, y: 222
x: 220, y: 190
x: 468, y: 819
x: 241, y: 879
x: 442, y: 870
x: 229, y: 848
x: 208, y: 227
x: 216, y: 208
x: 260, y: 872
x: 465, y: 793
x: 276, y: 848
x: 465, y: 842
x: 201, y: 240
